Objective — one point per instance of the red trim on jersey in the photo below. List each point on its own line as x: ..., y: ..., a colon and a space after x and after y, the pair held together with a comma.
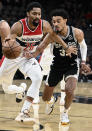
x: 27, y: 31
x: 1, y: 61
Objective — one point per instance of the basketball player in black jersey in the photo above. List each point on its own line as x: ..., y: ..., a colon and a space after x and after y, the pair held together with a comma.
x: 62, y: 64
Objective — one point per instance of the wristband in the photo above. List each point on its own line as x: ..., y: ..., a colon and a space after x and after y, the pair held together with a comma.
x: 83, y: 62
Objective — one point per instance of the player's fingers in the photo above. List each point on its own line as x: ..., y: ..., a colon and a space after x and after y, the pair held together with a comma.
x: 68, y: 54
x: 75, y: 52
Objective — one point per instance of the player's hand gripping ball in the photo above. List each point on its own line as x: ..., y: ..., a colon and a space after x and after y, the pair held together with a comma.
x: 11, y: 49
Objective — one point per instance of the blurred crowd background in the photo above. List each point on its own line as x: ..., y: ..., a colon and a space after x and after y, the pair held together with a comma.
x: 80, y: 11
x: 80, y: 15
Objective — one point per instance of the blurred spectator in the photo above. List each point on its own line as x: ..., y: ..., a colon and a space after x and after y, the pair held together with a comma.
x: 78, y: 12
x: 89, y: 61
x: 1, y: 5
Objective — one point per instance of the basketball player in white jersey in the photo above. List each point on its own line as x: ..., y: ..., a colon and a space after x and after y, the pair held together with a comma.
x: 63, y: 65
x: 28, y: 32
x: 6, y: 81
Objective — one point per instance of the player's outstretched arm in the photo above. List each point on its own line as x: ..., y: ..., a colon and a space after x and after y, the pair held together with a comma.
x: 50, y: 38
x: 56, y: 38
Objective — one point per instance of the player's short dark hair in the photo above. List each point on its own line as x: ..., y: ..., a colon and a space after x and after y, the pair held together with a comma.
x: 33, y: 5
x: 59, y: 12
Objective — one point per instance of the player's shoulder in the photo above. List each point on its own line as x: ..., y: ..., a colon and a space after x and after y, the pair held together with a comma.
x: 4, y: 24
x: 23, y: 20
x: 16, y: 28
x: 45, y: 23
x: 46, y: 27
x: 78, y: 33
x: 3, y: 21
x: 17, y: 25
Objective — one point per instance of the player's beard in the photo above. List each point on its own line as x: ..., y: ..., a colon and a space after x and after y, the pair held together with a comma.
x: 36, y: 23
x: 55, y: 30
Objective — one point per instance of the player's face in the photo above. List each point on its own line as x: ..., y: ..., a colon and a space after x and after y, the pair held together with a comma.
x: 34, y: 16
x: 58, y: 23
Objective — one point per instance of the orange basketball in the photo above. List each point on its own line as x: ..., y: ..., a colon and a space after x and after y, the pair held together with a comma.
x: 11, y: 49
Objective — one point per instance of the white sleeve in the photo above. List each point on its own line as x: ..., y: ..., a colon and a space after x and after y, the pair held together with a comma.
x: 83, y: 50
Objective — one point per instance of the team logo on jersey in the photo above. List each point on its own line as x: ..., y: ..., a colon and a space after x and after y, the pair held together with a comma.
x: 27, y: 39
x: 70, y: 37
x: 27, y: 32
x: 30, y: 38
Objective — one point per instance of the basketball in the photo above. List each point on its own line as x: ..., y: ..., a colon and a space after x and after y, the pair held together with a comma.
x: 11, y: 49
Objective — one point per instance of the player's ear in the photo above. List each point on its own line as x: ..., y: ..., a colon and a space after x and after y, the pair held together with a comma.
x: 27, y: 14
x: 65, y: 20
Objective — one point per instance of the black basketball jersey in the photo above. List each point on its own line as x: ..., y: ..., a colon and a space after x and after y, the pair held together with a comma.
x: 60, y: 59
